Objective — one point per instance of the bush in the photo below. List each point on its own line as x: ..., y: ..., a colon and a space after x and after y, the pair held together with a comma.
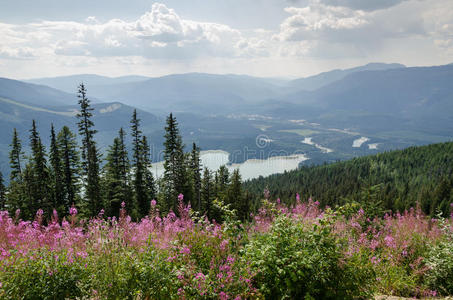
x: 296, y: 261
x: 440, y: 263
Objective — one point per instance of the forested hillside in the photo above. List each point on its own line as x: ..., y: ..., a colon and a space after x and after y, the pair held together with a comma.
x: 394, y: 180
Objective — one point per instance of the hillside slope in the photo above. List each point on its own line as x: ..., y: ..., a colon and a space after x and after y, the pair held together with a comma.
x: 394, y: 180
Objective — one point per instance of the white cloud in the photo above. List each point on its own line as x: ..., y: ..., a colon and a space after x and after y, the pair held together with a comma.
x: 159, y: 33
x: 339, y: 31
x: 314, y: 36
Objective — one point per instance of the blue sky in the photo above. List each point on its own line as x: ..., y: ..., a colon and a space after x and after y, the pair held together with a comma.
x: 267, y: 38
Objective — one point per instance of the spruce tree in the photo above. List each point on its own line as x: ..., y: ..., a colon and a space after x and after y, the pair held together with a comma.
x: 234, y: 194
x: 124, y: 159
x: 66, y: 141
x: 175, y: 177
x: 149, y: 183
x: 16, y: 189
x: 90, y: 155
x: 207, y: 192
x: 195, y: 171
x: 137, y: 164
x: 2, y: 193
x: 56, y: 172
x: 222, y: 180
x: 15, y: 156
x: 116, y: 176
x: 39, y: 186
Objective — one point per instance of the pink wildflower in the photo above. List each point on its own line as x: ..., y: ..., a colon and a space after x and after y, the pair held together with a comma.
x: 73, y: 210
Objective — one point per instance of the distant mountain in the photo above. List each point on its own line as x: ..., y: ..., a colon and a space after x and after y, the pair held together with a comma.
x: 404, y: 99
x: 69, y: 83
x: 317, y: 81
x: 34, y: 94
x: 194, y: 92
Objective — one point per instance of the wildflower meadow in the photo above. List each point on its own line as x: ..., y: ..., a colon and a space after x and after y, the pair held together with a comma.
x: 297, y: 252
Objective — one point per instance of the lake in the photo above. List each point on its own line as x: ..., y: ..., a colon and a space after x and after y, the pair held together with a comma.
x: 249, y: 169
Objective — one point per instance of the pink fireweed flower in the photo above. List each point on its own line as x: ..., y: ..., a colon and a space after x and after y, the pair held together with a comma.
x: 153, y: 203
x: 185, y: 250
x: 180, y: 197
x: 40, y: 212
x: 73, y: 210
x: 390, y: 241
x: 278, y: 200
x: 123, y: 204
x: 297, y: 197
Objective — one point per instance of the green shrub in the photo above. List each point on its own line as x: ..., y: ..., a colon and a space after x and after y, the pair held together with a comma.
x: 440, y: 262
x: 296, y: 261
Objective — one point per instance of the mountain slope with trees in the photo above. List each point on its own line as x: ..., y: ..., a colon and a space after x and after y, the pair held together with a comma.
x: 394, y: 180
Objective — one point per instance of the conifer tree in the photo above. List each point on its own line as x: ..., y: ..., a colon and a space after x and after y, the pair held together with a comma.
x: 234, y: 191
x: 39, y: 186
x: 66, y: 141
x: 16, y: 189
x: 116, y: 176
x: 175, y: 177
x: 149, y: 183
x: 207, y: 192
x: 56, y: 172
x: 222, y: 180
x: 124, y: 159
x: 90, y: 155
x: 15, y: 156
x: 2, y: 193
x: 137, y: 164
x: 195, y: 171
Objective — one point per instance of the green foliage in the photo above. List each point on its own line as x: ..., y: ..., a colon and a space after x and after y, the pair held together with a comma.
x: 296, y: 261
x: 394, y: 181
x: 175, y: 179
x: 90, y: 155
x: 43, y: 275
x: 440, y: 262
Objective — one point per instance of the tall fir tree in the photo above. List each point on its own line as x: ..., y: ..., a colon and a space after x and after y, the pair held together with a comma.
x: 67, y: 143
x: 234, y: 194
x: 56, y: 173
x: 16, y: 198
x: 175, y: 177
x: 137, y: 165
x: 15, y: 158
x: 149, y: 183
x: 90, y: 155
x: 39, y: 186
x: 222, y: 180
x: 2, y: 193
x: 116, y: 176
x: 207, y: 192
x: 195, y: 172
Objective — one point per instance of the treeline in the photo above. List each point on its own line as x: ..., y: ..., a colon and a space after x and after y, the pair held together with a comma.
x: 394, y: 181
x: 75, y: 176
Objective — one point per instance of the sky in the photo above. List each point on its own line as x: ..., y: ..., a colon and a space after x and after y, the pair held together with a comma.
x: 265, y: 38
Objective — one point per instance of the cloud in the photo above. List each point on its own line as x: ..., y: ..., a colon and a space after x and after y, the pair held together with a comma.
x: 367, y: 5
x: 335, y: 31
x: 311, y: 22
x: 159, y: 33
x: 16, y: 53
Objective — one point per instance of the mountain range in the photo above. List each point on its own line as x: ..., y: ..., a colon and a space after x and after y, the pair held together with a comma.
x: 393, y: 106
